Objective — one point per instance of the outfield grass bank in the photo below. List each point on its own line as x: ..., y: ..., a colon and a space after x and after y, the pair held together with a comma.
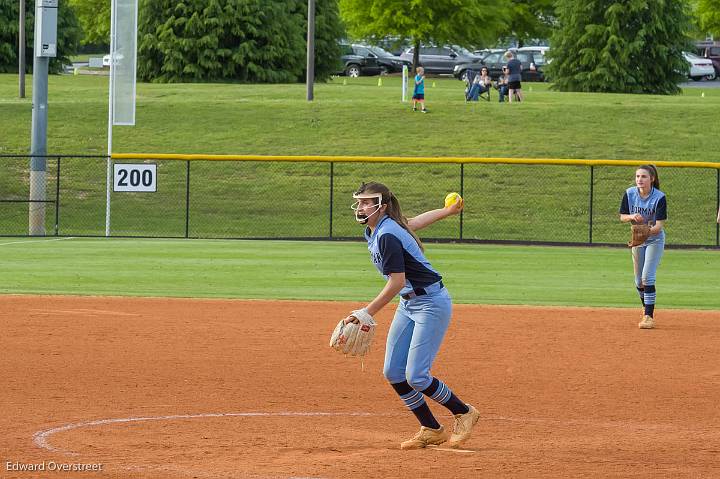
x: 357, y: 117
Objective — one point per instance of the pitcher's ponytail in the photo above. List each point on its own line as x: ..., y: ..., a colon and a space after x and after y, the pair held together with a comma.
x: 393, y: 206
x: 395, y: 213
x: 652, y: 170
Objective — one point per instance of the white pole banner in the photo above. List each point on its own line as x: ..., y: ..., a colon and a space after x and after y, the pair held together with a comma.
x: 123, y: 61
x: 404, y: 82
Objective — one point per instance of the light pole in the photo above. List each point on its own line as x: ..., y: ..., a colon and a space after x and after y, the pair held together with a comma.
x: 21, y: 49
x: 45, y: 47
x: 310, y: 79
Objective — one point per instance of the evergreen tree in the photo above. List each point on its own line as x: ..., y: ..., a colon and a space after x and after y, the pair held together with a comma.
x: 329, y: 29
x: 234, y: 40
x: 531, y: 19
x: 67, y: 41
x: 94, y: 17
x: 624, y: 46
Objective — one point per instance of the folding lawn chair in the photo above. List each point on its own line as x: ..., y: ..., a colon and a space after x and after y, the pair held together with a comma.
x: 474, y: 90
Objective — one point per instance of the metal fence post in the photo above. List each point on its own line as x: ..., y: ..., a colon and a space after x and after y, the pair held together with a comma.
x: 57, y: 199
x: 332, y: 177
x: 590, y: 227
x: 717, y: 206
x: 187, y: 199
x: 462, y: 192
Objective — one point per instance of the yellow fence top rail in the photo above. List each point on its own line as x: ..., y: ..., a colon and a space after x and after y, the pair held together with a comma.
x: 411, y: 159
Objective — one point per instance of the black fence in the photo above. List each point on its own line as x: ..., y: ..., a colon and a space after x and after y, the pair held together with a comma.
x: 523, y: 203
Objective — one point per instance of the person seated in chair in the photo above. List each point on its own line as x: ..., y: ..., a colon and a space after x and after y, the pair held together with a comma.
x: 484, y: 80
x: 502, y: 84
x: 480, y: 84
x: 471, y: 90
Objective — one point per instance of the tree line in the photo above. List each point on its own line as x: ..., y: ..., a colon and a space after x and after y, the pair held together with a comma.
x: 68, y: 42
x: 597, y: 45
x: 194, y: 40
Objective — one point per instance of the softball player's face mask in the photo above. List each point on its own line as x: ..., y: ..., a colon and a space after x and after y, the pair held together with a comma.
x: 363, y: 209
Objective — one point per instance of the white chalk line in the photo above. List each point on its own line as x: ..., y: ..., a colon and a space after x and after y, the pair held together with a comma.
x: 451, y: 449
x: 41, y: 438
x: 38, y: 241
x: 195, y: 474
x: 86, y: 312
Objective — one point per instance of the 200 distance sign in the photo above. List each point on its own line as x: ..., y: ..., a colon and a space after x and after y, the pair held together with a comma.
x: 134, y: 178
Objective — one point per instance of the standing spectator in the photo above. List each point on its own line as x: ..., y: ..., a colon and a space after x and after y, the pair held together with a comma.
x: 515, y: 75
x: 419, y: 91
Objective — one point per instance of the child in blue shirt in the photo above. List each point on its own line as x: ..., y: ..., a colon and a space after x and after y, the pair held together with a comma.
x: 419, y: 91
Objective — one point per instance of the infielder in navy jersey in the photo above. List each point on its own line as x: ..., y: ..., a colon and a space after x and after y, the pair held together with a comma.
x: 644, y: 203
x: 422, y: 317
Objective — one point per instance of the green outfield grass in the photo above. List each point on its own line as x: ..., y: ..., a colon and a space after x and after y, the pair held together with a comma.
x: 479, y: 274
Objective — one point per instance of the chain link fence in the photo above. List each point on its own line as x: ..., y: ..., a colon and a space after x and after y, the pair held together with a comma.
x: 524, y: 203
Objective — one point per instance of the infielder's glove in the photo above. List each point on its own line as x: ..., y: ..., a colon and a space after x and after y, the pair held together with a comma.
x: 640, y: 233
x: 354, y: 338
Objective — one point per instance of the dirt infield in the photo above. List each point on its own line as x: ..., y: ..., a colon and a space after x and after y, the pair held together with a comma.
x: 173, y: 388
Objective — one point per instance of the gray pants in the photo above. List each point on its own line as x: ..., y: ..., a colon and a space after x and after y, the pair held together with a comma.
x: 414, y: 339
x: 646, y: 259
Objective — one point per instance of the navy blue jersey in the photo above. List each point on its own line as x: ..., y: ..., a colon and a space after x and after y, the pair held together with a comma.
x: 515, y: 70
x: 652, y: 208
x: 394, y: 250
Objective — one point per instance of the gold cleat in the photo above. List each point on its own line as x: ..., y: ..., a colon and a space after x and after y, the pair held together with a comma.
x: 426, y: 437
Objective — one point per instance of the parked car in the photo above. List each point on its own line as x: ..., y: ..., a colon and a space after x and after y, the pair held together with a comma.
x: 538, y: 54
x: 388, y: 62
x: 532, y: 60
x: 106, y: 59
x: 440, y: 59
x: 487, y: 51
x: 699, y: 67
x: 359, y: 60
x: 710, y: 50
x: 393, y: 45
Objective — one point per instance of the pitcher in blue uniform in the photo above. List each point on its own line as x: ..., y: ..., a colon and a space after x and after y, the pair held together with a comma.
x: 644, y: 203
x: 422, y: 317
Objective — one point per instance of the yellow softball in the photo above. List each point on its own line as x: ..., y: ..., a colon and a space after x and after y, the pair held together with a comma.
x: 451, y: 199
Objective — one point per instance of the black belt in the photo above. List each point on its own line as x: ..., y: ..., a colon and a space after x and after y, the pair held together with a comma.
x: 419, y: 292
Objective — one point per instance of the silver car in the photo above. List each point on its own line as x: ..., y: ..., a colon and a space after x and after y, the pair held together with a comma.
x: 440, y: 59
x: 699, y: 67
